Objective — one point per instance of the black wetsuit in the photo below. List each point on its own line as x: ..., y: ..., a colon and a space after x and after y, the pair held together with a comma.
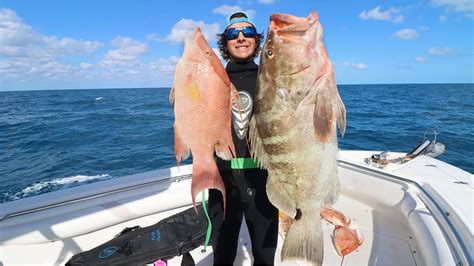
x: 246, y: 195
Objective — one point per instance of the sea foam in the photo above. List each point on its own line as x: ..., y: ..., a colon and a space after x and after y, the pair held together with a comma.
x: 55, y: 184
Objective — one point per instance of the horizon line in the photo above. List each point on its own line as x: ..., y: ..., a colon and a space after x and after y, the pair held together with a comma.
x: 162, y: 87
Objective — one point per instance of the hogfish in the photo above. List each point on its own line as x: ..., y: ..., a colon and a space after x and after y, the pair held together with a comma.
x: 201, y: 95
x: 293, y: 131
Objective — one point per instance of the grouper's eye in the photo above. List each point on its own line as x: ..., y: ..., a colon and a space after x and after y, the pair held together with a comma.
x: 269, y: 53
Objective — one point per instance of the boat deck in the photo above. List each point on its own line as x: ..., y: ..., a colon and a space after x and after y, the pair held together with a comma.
x: 399, y: 221
x: 387, y: 239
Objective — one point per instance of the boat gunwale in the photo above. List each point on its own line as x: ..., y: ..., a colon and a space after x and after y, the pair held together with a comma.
x: 94, y: 196
x: 454, y: 240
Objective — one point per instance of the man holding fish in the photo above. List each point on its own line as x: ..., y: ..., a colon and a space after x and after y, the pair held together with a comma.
x: 288, y: 125
x: 244, y: 180
x: 212, y: 108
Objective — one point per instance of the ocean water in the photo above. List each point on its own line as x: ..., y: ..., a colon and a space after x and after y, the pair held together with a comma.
x: 51, y: 140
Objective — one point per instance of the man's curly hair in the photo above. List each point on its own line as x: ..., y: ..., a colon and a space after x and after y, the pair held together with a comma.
x: 222, y: 44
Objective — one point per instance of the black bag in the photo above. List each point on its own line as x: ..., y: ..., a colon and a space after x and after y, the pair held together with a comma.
x: 173, y: 236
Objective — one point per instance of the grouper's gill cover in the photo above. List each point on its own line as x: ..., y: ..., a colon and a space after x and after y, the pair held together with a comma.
x: 201, y: 95
x: 293, y: 132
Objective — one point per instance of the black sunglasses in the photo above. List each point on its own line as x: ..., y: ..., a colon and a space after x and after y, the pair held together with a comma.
x: 233, y: 33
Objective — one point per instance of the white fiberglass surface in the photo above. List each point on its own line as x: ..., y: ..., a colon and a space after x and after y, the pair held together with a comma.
x: 381, y: 208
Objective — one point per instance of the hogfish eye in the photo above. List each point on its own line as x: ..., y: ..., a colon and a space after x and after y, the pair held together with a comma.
x: 208, y: 53
x: 270, y: 54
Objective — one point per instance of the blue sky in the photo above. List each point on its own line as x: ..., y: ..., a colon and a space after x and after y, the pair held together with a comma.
x: 122, y: 44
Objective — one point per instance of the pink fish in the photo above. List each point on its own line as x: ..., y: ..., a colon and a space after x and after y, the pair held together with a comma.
x: 346, y: 240
x: 201, y: 95
x: 335, y: 217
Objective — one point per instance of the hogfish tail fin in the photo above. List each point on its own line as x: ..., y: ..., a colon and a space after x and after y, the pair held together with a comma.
x: 206, y: 176
x: 304, y: 241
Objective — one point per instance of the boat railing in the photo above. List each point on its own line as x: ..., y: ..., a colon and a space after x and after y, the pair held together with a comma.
x: 95, y: 195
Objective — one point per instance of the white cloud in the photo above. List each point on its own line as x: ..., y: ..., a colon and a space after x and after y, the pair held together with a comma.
x: 443, y: 18
x: 164, y: 66
x: 129, y: 46
x: 440, y: 51
x: 351, y: 65
x: 266, y: 2
x: 153, y: 37
x: 462, y: 6
x: 387, y: 15
x: 226, y: 10
x: 30, y: 68
x: 86, y: 66
x: 127, y: 53
x: 21, y: 40
x: 251, y: 13
x: 69, y: 46
x: 420, y: 59
x: 406, y: 34
x: 185, y: 27
x: 398, y: 19
x: 31, y: 55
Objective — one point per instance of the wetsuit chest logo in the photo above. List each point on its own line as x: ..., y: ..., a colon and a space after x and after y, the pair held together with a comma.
x: 241, y: 120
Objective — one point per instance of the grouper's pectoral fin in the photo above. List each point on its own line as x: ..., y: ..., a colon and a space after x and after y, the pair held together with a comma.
x: 323, y: 117
x: 328, y: 109
x: 279, y: 197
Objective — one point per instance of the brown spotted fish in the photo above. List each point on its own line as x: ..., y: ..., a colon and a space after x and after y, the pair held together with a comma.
x: 201, y: 94
x: 294, y: 129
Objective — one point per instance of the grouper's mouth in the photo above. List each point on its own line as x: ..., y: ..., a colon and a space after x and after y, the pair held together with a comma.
x: 289, y: 23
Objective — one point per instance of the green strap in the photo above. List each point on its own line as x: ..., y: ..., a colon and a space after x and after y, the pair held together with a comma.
x: 243, y: 163
x: 209, y: 223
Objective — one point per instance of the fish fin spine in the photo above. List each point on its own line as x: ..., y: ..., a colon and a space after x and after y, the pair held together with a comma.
x: 225, y: 148
x: 181, y: 150
x: 256, y: 145
x: 225, y: 151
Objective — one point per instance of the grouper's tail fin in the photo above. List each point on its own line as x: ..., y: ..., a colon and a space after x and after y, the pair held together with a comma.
x: 304, y: 241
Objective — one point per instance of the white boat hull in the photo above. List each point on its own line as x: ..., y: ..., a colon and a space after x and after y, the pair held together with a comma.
x: 407, y: 215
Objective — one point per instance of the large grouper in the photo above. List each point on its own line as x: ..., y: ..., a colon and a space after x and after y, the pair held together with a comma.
x: 293, y: 132
x: 201, y: 95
